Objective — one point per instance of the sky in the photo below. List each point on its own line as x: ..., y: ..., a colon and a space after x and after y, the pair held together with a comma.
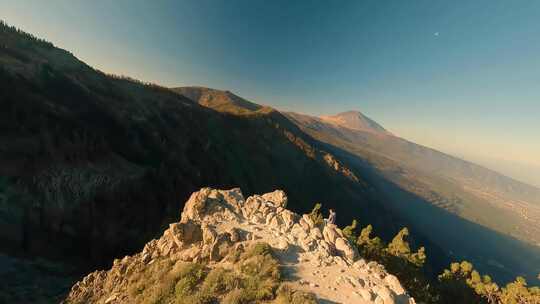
x: 459, y: 76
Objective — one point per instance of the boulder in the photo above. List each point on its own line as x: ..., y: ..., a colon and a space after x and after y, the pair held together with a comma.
x: 207, y: 202
x: 304, y: 225
x: 185, y: 233
x: 282, y: 244
x: 330, y: 234
x: 366, y: 294
x: 190, y: 254
x: 326, y: 248
x: 308, y: 245
x: 251, y: 205
x: 269, y: 217
x: 195, y: 206
x: 345, y: 249
x: 235, y: 234
x: 209, y: 234
x: 308, y: 220
x: 221, y: 247
x: 111, y: 299
x: 394, y: 285
x: 276, y: 222
x: 361, y: 263
x: 384, y: 295
x: 278, y: 198
x: 235, y: 198
x: 316, y: 233
x: 289, y: 218
x: 258, y: 219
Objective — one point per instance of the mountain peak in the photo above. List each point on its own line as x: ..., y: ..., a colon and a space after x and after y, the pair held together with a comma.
x: 354, y: 120
x: 220, y: 100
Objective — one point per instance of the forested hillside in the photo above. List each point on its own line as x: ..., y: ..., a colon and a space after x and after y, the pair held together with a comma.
x: 98, y: 164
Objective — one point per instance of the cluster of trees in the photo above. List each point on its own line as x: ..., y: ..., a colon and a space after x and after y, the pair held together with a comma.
x: 126, y: 78
x: 461, y: 283
x: 26, y: 39
x: 464, y: 284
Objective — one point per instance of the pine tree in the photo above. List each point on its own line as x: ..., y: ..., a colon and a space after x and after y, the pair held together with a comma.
x: 350, y: 232
x: 517, y: 293
x: 316, y: 215
x: 454, y: 287
x: 370, y: 248
x: 399, y: 247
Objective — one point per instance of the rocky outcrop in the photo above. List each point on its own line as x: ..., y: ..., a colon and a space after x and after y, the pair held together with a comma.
x: 216, y: 224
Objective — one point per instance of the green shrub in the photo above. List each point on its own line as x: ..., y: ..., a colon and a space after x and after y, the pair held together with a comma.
x: 461, y: 283
x: 369, y: 248
x: 316, y: 215
x: 258, y: 249
x: 253, y: 278
x: 190, y: 276
x: 236, y: 296
x: 260, y: 271
x: 286, y: 295
x: 350, y: 232
x: 220, y: 281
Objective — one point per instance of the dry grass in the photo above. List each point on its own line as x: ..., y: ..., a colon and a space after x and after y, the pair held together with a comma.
x: 254, y: 278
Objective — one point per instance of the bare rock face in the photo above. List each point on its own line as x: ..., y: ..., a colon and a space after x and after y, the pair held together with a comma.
x: 216, y: 223
x: 345, y: 249
x: 278, y: 198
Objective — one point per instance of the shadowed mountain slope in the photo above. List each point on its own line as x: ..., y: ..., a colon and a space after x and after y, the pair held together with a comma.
x: 98, y: 164
x: 354, y: 120
x: 443, y: 204
x: 474, y: 192
x: 223, y: 101
x: 408, y: 179
x: 84, y: 145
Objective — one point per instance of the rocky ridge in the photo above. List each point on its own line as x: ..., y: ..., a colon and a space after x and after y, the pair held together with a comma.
x: 315, y: 258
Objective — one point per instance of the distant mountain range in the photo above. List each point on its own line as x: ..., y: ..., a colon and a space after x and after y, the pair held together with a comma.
x: 474, y: 192
x: 471, y: 191
x: 522, y: 171
x: 410, y: 177
x: 354, y: 120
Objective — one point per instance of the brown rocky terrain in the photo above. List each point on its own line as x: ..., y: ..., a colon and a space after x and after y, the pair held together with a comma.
x: 217, y: 225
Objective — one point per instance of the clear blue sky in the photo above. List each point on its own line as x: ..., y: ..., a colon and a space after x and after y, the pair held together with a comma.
x: 461, y: 76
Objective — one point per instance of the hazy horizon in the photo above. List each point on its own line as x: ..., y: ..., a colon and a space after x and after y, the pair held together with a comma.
x: 459, y: 77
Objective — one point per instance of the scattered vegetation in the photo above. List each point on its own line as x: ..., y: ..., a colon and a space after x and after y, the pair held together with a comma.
x: 348, y: 231
x: 286, y: 295
x: 461, y: 283
x: 129, y: 79
x: 254, y: 278
x: 316, y: 215
x: 25, y: 39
